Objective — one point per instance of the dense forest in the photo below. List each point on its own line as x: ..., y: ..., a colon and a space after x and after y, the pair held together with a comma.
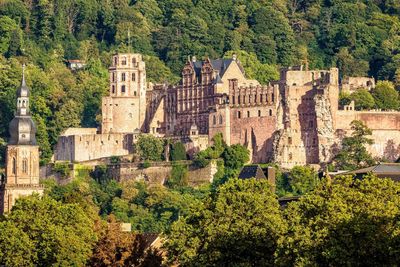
x: 361, y: 37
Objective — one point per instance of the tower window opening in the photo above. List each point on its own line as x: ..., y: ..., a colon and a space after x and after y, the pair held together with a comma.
x: 14, y: 166
x: 25, y: 165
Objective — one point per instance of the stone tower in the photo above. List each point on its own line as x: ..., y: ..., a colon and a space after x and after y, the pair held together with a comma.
x: 124, y: 110
x: 22, y: 155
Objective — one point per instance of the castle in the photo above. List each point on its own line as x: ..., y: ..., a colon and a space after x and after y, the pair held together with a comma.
x: 22, y: 155
x: 293, y: 121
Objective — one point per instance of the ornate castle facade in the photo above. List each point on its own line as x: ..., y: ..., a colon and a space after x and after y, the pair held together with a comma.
x: 22, y: 155
x: 293, y: 121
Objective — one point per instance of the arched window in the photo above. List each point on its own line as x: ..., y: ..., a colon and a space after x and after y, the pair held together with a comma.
x: 220, y: 119
x: 123, y: 88
x: 24, y: 165
x: 214, y: 120
x: 14, y: 166
x: 124, y: 61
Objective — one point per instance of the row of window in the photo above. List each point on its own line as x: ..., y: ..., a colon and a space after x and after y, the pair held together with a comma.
x: 123, y: 61
x: 123, y: 89
x: 24, y: 166
x: 239, y: 114
x: 123, y: 77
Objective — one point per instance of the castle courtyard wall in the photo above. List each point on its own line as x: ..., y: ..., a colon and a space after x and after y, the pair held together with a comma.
x: 87, y: 147
x: 385, y: 126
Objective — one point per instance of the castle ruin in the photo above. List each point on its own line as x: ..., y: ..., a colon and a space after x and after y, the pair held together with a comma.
x: 293, y: 121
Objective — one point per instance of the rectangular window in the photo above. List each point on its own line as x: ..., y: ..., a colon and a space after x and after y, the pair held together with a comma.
x: 124, y: 61
x: 123, y: 77
x: 25, y: 166
x: 133, y: 77
x: 123, y: 89
x: 113, y: 89
x: 113, y: 77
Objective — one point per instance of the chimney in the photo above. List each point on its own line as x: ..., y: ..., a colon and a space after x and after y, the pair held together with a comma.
x: 271, y: 176
x: 234, y: 57
x: 194, y: 59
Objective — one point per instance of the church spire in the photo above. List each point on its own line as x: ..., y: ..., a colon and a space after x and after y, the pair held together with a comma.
x: 22, y: 128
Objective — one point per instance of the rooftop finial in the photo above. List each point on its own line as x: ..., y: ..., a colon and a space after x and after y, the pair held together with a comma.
x: 23, y: 74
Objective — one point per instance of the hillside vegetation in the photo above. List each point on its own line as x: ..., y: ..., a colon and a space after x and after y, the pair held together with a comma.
x: 359, y: 37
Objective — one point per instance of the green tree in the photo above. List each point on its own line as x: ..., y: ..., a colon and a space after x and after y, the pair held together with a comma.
x: 386, y: 96
x: 344, y: 99
x: 57, y: 234
x: 353, y: 153
x: 345, y: 221
x: 235, y: 156
x: 178, y: 151
x: 302, y: 179
x: 149, y: 147
x: 362, y: 99
x: 179, y: 176
x: 9, y: 34
x: 240, y: 225
x: 16, y: 249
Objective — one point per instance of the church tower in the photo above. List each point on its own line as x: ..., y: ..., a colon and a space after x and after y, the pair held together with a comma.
x: 22, y: 154
x: 124, y: 110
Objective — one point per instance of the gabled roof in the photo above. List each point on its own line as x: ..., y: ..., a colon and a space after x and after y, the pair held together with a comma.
x: 252, y: 171
x: 382, y: 170
x: 220, y: 65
